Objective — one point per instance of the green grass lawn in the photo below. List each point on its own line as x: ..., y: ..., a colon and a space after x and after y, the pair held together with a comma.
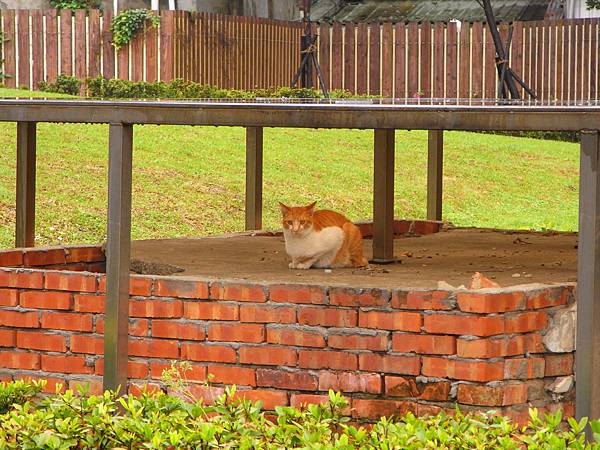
x: 189, y: 181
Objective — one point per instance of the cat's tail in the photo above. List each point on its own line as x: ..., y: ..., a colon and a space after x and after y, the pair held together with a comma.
x: 355, y: 245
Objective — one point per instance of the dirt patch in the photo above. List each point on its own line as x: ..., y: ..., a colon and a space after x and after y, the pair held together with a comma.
x: 453, y: 255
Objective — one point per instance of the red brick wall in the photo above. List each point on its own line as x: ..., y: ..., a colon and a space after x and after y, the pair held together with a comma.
x: 388, y: 351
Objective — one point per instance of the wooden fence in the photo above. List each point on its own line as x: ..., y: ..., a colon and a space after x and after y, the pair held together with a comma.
x: 558, y: 59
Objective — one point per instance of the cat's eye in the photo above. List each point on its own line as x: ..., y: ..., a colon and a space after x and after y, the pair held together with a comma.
x: 302, y: 222
x: 289, y: 222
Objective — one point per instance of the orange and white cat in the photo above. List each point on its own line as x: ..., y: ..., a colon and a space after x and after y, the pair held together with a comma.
x: 320, y: 238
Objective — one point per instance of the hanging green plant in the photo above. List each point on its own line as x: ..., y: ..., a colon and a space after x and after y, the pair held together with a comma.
x: 128, y: 23
x: 75, y: 4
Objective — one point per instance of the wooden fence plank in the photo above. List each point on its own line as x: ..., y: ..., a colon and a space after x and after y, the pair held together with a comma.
x: 539, y: 59
x: 374, y: 59
x: 573, y: 69
x: 166, y: 46
x: 349, y: 56
x: 151, y: 40
x: 516, y: 53
x: 438, y: 61
x: 324, y: 53
x: 23, y: 48
x: 559, y: 60
x: 123, y: 62
x: 585, y: 59
x: 451, y: 61
x: 400, y: 61
x: 80, y: 65
x: 477, y: 60
x: 66, y: 66
x: 362, y: 63
x: 546, y: 38
x: 427, y: 61
x: 51, y: 52
x: 337, y: 62
x: 10, y: 48
x: 94, y: 43
x: 489, y: 65
x: 594, y: 59
x: 387, y: 60
x: 108, y: 50
x: 37, y: 48
x: 412, y: 42
x: 464, y: 63
x: 137, y: 57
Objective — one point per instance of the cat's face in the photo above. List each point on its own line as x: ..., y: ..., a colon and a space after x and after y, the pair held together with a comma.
x: 297, y: 219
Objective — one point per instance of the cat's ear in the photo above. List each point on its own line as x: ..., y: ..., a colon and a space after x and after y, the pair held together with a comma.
x: 311, y: 207
x: 284, y: 209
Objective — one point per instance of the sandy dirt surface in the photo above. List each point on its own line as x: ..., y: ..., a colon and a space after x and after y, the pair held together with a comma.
x: 509, y: 258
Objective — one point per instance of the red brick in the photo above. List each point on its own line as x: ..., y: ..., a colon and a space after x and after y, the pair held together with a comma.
x: 236, y: 332
x: 374, y: 409
x: 524, y: 368
x: 177, y: 330
x: 67, y: 321
x: 459, y: 324
x: 400, y: 387
x: 498, y: 347
x: 85, y: 253
x: 323, y: 359
x: 297, y: 293
x: 20, y: 360
x: 300, y: 400
x: 195, y: 372
x: 137, y: 327
x: 526, y: 322
x: 327, y: 317
x: 89, y: 303
x: 11, y: 258
x: 137, y: 389
x: 135, y: 369
x: 267, y: 314
x: 238, y: 292
x: 358, y: 297
x: 7, y: 338
x: 429, y: 410
x: 18, y: 278
x: 507, y: 394
x: 359, y: 341
x: 19, y: 319
x: 140, y: 285
x: 34, y: 340
x: 429, y: 344
x: 296, y: 380
x: 155, y: 308
x: 403, y: 321
x: 52, y: 384
x: 268, y: 356
x: 548, y: 297
x: 268, y: 399
x: 9, y: 297
x: 43, y: 256
x: 213, y: 353
x: 424, y: 227
x: 182, y: 288
x: 467, y: 370
x: 240, y: 376
x: 405, y: 365
x: 87, y: 344
x: 295, y: 337
x: 422, y: 300
x: 350, y: 382
x: 65, y: 364
x: 438, y: 391
x: 210, y: 311
x: 154, y: 348
x: 46, y: 300
x: 64, y: 281
x: 487, y: 302
x: 559, y: 365
x: 208, y: 394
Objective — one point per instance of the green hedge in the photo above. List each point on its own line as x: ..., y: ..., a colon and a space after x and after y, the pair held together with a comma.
x: 161, y: 421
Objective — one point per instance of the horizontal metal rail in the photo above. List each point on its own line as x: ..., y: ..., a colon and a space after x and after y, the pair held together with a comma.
x: 302, y: 115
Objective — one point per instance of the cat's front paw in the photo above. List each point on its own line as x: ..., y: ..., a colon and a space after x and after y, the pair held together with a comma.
x: 292, y: 265
x: 303, y: 266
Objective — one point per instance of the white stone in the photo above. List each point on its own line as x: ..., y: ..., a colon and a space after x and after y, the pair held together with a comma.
x: 561, y: 385
x: 560, y: 337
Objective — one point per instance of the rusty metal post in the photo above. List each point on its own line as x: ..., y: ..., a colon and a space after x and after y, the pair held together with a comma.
x: 118, y: 251
x: 383, y: 197
x: 435, y: 169
x: 587, y: 356
x: 25, y: 211
x: 254, y: 176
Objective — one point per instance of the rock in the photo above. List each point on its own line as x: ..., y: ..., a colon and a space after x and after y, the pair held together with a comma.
x: 561, y: 385
x: 560, y: 337
x: 478, y: 281
x: 516, y: 275
x: 445, y: 286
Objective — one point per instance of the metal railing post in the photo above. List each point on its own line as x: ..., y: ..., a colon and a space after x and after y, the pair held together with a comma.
x: 254, y: 177
x: 383, y: 196
x: 25, y: 208
x: 435, y: 169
